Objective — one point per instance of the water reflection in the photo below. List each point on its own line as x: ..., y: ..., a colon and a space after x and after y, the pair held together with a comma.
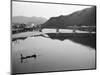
x: 53, y: 54
x: 81, y: 38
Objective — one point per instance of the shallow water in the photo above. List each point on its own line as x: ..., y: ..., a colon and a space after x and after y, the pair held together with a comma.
x: 53, y: 55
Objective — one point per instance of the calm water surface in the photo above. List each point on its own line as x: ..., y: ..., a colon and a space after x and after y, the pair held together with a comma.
x: 53, y: 55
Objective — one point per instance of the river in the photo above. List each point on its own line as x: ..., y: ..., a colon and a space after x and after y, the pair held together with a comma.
x: 52, y: 55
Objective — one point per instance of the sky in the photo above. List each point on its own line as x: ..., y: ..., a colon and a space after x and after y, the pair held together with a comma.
x: 29, y: 9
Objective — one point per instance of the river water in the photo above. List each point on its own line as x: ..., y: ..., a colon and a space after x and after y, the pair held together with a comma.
x: 53, y: 55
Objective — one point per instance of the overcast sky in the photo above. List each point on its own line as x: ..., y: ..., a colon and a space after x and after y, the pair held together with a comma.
x: 42, y: 9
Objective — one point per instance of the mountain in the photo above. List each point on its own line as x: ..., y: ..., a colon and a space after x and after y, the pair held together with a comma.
x: 26, y: 20
x: 86, y: 17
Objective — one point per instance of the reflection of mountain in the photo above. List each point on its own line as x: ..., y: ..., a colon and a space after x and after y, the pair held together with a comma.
x: 81, y: 38
x: 25, y: 20
x: 85, y: 17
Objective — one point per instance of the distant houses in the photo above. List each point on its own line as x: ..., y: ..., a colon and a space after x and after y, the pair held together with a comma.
x: 18, y: 28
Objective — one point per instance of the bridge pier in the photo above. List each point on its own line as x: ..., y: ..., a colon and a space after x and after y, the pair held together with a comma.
x: 57, y: 30
x: 74, y: 28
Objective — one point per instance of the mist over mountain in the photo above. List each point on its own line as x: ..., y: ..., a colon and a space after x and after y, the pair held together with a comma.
x: 85, y: 17
x: 26, y: 20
